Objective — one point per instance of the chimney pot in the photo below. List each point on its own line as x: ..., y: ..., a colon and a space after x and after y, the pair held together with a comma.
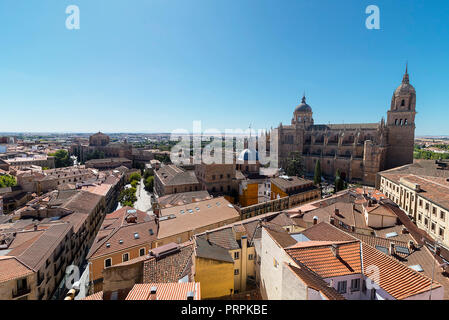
x: 315, y: 220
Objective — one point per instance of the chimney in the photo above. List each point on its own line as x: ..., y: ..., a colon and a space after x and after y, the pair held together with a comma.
x: 404, y: 230
x: 190, y: 295
x: 337, y: 212
x: 411, y: 245
x: 35, y: 227
x: 391, y: 251
x: 331, y: 220
x: 315, y: 220
x: 207, y: 237
x: 335, y: 250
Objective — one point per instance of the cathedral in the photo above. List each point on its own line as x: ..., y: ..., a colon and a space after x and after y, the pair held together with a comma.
x: 359, y: 151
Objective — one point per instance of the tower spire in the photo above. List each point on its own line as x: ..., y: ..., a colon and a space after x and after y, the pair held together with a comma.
x: 303, y: 97
x: 405, y: 79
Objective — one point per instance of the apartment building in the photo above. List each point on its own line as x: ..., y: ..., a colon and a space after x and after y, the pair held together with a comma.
x: 124, y: 235
x: 422, y: 194
x: 330, y: 264
x: 171, y: 179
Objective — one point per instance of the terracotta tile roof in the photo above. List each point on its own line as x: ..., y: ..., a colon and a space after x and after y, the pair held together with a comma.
x: 224, y: 238
x: 43, y: 247
x: 279, y: 235
x: 116, y: 234
x: 165, y: 291
x: 209, y: 250
x: 209, y: 212
x: 395, y: 276
x: 177, y: 199
x: 324, y: 231
x: 11, y: 268
x: 170, y: 267
x: 171, y: 175
x: 397, y: 279
x: 312, y: 280
x: 95, y: 296
x: 320, y: 258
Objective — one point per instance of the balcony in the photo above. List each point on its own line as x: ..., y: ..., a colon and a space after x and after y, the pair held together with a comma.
x: 21, y: 292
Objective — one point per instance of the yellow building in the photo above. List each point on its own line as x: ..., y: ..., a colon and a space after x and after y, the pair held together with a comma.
x: 225, y: 263
x: 124, y: 235
x: 214, y: 269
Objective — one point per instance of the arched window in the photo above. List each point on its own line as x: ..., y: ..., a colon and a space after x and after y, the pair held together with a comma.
x: 405, y: 121
x: 402, y: 103
x: 396, y: 122
x: 400, y: 122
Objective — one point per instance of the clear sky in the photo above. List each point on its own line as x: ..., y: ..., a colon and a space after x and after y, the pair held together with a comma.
x: 157, y: 65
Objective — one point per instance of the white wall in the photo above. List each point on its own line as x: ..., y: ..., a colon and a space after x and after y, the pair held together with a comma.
x: 271, y: 276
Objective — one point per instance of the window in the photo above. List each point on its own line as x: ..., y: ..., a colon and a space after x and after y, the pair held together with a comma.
x: 355, y: 284
x: 442, y: 215
x: 236, y: 255
x: 107, y: 262
x: 236, y: 272
x: 250, y: 257
x: 433, y: 226
x: 426, y: 221
x: 364, y: 286
x: 441, y: 232
x: 341, y: 286
x: 434, y: 210
x: 373, y: 294
x: 142, y: 252
x: 125, y: 257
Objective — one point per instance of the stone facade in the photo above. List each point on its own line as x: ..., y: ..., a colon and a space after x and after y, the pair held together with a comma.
x: 359, y: 151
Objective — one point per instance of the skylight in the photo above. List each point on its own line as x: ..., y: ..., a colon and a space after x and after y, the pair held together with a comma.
x: 417, y: 267
x: 382, y: 249
x: 403, y: 250
x: 136, y: 235
x: 391, y: 235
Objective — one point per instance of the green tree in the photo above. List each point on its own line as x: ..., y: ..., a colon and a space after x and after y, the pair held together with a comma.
x: 62, y: 159
x: 135, y: 177
x: 7, y: 181
x: 149, y: 183
x: 128, y: 197
x: 339, y: 182
x: 317, y: 176
x: 295, y: 165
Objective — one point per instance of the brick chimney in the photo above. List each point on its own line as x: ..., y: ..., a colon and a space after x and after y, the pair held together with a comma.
x: 391, y: 251
x: 335, y: 250
x: 411, y: 245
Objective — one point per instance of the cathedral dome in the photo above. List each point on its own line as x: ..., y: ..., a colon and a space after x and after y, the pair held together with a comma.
x: 303, y: 107
x: 248, y: 155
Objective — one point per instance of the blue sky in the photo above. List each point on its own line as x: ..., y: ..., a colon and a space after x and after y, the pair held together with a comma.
x: 157, y: 65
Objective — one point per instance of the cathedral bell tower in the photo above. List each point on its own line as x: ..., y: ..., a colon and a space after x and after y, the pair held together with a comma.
x: 401, y: 124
